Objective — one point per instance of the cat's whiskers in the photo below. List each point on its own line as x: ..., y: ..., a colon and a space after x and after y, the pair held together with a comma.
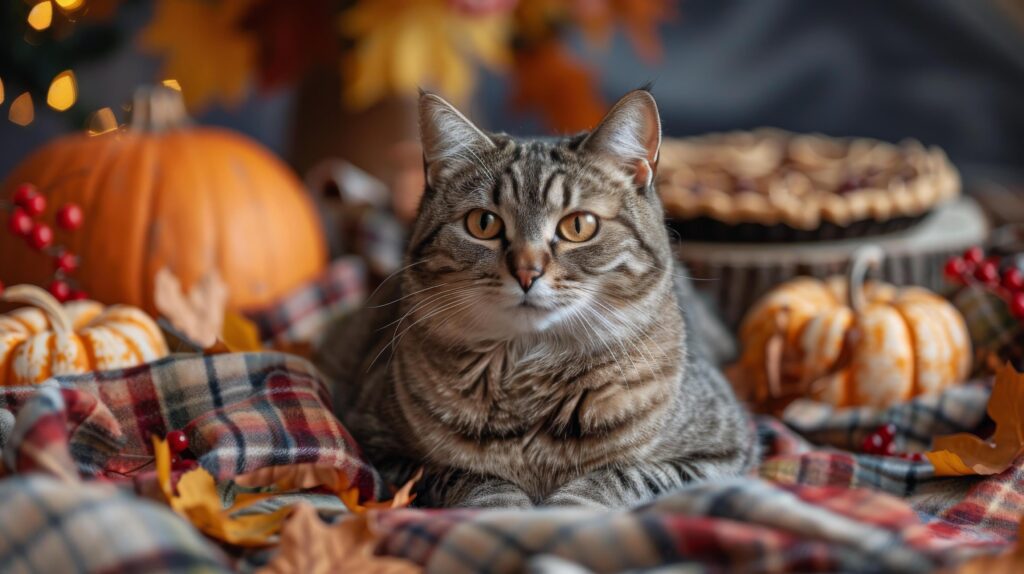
x: 634, y: 333
x: 462, y: 300
x: 414, y: 293
x: 394, y: 274
x: 445, y: 296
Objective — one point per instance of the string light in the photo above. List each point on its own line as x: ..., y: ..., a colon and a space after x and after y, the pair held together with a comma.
x: 41, y: 15
x: 63, y: 91
x: 22, y: 110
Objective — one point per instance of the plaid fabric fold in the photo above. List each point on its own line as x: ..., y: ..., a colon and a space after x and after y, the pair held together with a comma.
x: 49, y: 525
x: 302, y: 315
x: 241, y: 412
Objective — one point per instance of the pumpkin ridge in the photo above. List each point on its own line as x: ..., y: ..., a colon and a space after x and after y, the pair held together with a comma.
x: 8, y: 364
x: 915, y: 385
x: 87, y: 347
x: 92, y: 243
x: 149, y: 157
x: 46, y: 369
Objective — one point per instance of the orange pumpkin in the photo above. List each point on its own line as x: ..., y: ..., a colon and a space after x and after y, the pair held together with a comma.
x: 161, y: 193
x: 50, y: 339
x: 850, y: 343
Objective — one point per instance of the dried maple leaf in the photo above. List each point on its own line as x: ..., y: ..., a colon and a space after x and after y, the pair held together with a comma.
x: 966, y: 454
x: 400, y: 45
x: 311, y: 475
x: 199, y: 315
x: 204, y: 48
x: 310, y: 546
x: 197, y: 500
x: 550, y: 79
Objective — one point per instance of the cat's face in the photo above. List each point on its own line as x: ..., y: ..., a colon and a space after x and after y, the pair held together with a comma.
x: 519, y: 237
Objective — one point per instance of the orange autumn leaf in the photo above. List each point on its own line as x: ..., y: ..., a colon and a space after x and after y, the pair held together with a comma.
x: 965, y: 454
x: 550, y: 79
x: 204, y: 48
x: 311, y: 475
x: 198, y: 501
x: 310, y: 546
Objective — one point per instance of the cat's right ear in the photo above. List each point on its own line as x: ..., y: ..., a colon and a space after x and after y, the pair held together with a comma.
x: 450, y: 140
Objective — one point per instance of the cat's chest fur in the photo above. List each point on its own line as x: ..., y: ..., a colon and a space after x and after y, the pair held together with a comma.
x: 535, y: 413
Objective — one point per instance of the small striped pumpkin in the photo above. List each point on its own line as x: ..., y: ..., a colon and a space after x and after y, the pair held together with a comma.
x: 850, y: 343
x: 48, y: 338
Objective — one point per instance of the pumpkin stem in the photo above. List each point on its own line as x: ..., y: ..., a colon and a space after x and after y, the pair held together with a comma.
x: 864, y: 258
x: 39, y: 297
x: 157, y: 109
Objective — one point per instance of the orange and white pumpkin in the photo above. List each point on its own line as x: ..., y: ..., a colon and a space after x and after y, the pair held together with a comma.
x: 50, y: 339
x: 851, y: 343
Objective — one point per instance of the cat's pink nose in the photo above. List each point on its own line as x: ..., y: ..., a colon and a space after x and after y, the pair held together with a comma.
x: 527, y: 276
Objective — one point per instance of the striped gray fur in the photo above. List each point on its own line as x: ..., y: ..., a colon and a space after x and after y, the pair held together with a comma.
x: 586, y: 386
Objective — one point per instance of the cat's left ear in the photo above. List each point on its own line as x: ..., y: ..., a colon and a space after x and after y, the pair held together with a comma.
x: 631, y: 135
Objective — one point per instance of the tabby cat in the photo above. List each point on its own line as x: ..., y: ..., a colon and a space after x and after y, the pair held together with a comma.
x: 535, y: 348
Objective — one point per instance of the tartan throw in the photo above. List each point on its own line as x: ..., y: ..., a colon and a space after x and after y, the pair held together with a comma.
x: 994, y: 330
x: 76, y: 456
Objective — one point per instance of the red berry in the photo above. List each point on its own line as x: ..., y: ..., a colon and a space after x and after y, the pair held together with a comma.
x: 41, y: 236
x: 1, y: 286
x: 974, y: 255
x: 23, y: 192
x: 955, y: 269
x: 69, y: 216
x: 887, y: 431
x: 183, y: 464
x: 889, y: 449
x: 34, y: 205
x: 78, y: 295
x: 987, y: 272
x: 1017, y: 305
x: 60, y: 290
x: 177, y: 441
x: 1013, y: 279
x: 66, y: 261
x: 19, y: 222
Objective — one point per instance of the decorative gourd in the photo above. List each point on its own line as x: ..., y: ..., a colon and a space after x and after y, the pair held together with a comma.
x: 162, y: 193
x: 50, y: 339
x: 851, y: 343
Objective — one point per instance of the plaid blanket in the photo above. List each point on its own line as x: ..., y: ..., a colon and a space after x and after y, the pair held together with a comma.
x: 76, y: 454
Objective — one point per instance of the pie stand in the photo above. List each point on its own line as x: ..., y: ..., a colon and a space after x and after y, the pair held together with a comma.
x: 734, y: 275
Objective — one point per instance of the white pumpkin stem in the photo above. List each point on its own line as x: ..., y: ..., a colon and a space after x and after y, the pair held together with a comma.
x: 157, y: 109
x: 40, y: 298
x: 864, y: 259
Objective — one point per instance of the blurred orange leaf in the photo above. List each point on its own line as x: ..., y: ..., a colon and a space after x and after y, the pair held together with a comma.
x: 640, y: 18
x: 310, y: 546
x: 198, y: 501
x: 401, y: 45
x: 965, y: 454
x: 204, y: 48
x: 550, y: 79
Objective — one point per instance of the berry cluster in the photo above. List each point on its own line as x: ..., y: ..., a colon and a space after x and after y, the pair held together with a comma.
x: 974, y: 267
x: 880, y: 442
x: 177, y: 442
x: 24, y: 210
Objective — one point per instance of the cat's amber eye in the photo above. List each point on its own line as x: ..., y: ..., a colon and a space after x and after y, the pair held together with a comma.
x: 577, y: 227
x: 483, y: 224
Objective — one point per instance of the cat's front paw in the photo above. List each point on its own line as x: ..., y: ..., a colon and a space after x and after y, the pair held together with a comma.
x: 495, y: 495
x: 563, y: 498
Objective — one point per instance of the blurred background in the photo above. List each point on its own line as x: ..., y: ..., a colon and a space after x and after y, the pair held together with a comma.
x: 315, y: 78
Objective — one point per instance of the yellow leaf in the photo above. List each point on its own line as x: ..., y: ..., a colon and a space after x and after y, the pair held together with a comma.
x: 198, y: 501
x: 965, y: 454
x: 204, y: 48
x: 239, y: 334
x: 22, y: 111
x: 172, y: 84
x: 310, y: 546
x: 1, y: 91
x: 63, y: 91
x: 403, y: 44
x: 41, y: 15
